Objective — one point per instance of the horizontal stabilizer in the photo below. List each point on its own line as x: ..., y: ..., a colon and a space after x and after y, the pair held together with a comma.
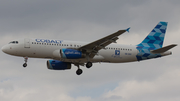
x: 163, y: 49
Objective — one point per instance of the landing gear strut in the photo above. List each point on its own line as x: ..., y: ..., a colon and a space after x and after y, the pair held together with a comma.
x: 89, y: 64
x: 25, y: 64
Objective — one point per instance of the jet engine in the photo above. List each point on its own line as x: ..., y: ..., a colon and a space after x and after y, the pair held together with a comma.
x: 71, y: 54
x: 58, y: 65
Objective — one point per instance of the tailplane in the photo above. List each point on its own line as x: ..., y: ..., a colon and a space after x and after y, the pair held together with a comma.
x: 155, y: 38
x: 164, y: 49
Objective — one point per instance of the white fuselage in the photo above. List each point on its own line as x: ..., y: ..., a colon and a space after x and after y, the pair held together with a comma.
x: 49, y: 48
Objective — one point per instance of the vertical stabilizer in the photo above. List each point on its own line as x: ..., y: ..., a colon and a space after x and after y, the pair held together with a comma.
x: 156, y: 37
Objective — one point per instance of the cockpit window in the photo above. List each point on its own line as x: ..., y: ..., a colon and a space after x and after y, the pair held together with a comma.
x: 13, y: 42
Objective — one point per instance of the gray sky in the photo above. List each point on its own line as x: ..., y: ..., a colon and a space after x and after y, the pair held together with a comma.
x: 84, y: 20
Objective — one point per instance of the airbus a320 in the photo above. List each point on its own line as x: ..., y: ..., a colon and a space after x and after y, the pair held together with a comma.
x: 63, y: 54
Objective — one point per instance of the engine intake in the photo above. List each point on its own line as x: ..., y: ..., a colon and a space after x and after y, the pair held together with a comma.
x: 58, y: 65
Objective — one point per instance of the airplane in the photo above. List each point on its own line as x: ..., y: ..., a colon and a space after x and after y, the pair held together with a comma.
x: 63, y: 54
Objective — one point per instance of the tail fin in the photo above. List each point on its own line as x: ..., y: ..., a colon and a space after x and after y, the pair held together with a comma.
x: 156, y: 37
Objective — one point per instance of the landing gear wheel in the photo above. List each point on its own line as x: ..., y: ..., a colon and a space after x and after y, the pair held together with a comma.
x: 79, y: 72
x: 25, y: 65
x: 89, y: 64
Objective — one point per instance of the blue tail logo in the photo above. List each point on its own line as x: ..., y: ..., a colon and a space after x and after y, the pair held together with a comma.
x: 156, y: 37
x: 153, y: 41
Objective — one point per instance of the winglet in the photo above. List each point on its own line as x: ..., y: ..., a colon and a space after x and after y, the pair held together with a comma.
x: 128, y: 29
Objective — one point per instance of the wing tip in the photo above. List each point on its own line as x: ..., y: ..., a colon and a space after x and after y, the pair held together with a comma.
x: 128, y: 29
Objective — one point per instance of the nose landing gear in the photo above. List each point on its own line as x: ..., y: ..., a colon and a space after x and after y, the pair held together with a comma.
x: 25, y: 64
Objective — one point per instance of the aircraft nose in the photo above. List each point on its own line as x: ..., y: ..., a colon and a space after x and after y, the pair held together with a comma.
x: 4, y: 49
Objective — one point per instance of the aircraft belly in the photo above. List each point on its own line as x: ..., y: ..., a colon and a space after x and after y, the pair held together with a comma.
x: 82, y: 60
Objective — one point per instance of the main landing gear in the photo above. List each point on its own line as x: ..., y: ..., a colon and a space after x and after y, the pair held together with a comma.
x: 89, y: 64
x: 25, y: 64
x: 79, y: 71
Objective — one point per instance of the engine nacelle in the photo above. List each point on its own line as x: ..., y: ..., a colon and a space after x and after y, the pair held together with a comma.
x: 58, y: 65
x: 71, y: 54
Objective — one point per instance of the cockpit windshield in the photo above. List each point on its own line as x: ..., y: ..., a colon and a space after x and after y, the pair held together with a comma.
x: 13, y: 42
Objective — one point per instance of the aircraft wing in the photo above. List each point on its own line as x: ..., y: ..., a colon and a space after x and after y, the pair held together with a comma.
x: 92, y: 48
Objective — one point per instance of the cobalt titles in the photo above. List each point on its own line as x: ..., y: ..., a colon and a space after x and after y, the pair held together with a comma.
x: 49, y: 41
